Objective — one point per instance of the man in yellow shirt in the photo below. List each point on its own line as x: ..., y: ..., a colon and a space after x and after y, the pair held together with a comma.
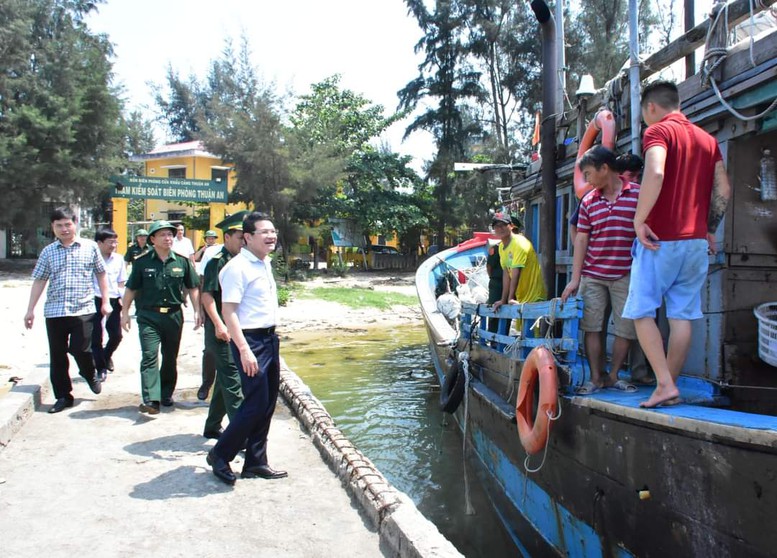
x: 522, y: 277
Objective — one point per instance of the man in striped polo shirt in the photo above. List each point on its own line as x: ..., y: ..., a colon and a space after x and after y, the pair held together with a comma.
x: 602, y: 262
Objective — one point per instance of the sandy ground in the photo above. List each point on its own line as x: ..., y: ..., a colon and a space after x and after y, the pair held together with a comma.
x: 101, y: 479
x: 308, y: 314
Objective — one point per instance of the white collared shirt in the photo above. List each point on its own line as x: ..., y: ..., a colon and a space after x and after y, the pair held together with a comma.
x: 248, y: 282
x: 207, y: 255
x: 115, y: 273
x: 183, y: 247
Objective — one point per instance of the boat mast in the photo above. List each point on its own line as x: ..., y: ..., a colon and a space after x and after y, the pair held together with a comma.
x: 562, y: 61
x: 634, y: 83
x: 548, y: 139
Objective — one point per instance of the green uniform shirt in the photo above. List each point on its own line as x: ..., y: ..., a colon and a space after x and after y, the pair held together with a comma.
x: 159, y: 283
x: 210, y: 281
x: 134, y: 251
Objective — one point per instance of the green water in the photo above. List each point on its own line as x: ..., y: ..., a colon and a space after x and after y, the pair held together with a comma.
x: 380, y: 387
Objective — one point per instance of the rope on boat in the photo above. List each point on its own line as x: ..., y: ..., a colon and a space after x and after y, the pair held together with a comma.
x: 547, y: 441
x: 714, y: 57
x: 513, y: 349
x: 464, y: 359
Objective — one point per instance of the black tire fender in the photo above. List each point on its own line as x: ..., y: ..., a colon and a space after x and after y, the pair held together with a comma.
x: 452, y: 390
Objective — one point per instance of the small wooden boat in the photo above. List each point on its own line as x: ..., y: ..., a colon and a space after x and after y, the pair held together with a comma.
x: 607, y: 477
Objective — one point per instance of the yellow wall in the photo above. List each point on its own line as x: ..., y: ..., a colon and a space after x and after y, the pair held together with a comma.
x: 198, y: 168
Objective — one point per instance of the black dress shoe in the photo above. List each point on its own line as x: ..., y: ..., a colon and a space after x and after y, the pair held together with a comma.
x: 202, y: 393
x: 109, y: 364
x: 213, y: 434
x: 95, y: 384
x: 167, y: 401
x: 263, y: 472
x: 61, y: 404
x: 150, y: 407
x: 221, y: 468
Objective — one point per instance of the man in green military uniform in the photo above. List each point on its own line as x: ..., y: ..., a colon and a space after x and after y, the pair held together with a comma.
x: 227, y: 391
x: 156, y: 282
x: 140, y: 246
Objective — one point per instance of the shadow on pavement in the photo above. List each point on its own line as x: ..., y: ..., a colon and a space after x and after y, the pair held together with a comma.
x: 129, y: 412
x: 169, y: 447
x: 184, y: 482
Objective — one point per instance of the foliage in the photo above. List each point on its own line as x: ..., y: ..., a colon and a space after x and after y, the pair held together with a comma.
x: 200, y: 221
x: 598, y: 38
x: 180, y: 106
x: 338, y: 268
x: 284, y: 295
x: 59, y: 117
x: 360, y: 297
x: 446, y: 78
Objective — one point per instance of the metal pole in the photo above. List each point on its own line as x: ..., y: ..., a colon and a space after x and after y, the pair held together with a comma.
x: 562, y: 62
x: 548, y: 150
x: 634, y: 84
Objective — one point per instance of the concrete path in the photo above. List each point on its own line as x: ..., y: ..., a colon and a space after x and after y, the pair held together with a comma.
x: 101, y: 479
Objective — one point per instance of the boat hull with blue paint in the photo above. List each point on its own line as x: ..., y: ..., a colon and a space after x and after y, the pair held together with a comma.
x: 696, y: 479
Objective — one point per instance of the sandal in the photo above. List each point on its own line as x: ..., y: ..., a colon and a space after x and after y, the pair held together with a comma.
x: 587, y: 389
x: 623, y: 385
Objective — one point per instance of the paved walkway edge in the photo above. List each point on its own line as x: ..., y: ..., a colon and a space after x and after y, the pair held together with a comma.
x: 21, y: 402
x: 404, y: 531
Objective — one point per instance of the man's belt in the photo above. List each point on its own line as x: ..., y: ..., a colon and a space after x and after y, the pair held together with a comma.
x: 162, y: 309
x: 260, y: 331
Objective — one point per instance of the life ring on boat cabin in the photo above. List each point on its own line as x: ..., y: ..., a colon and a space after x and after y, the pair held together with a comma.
x: 534, y: 430
x: 452, y: 390
x: 603, y: 121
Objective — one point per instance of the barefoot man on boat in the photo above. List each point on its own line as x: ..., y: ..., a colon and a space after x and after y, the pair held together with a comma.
x: 682, y: 200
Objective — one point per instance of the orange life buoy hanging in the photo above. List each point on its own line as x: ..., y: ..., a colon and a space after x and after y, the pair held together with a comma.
x: 603, y: 122
x: 534, y: 431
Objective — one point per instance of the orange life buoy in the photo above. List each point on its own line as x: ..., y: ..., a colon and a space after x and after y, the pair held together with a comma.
x: 603, y: 122
x: 533, y: 431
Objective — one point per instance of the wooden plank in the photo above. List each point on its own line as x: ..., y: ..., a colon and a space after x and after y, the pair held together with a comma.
x: 681, y: 47
x: 737, y: 62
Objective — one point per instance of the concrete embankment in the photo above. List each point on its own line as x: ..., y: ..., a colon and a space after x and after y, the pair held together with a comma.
x: 101, y: 479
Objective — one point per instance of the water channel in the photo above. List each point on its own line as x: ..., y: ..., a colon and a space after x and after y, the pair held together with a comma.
x: 380, y: 387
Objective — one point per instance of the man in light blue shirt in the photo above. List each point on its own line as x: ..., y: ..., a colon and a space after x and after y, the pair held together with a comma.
x: 68, y: 265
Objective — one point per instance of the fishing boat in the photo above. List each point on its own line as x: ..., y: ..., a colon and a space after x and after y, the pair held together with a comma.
x: 597, y: 475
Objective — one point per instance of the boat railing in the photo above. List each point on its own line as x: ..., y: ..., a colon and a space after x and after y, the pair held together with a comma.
x: 553, y: 324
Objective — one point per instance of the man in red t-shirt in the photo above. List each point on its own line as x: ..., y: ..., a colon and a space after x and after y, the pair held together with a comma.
x: 682, y: 199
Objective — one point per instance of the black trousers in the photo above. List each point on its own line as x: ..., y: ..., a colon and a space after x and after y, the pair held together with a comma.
x: 69, y: 334
x: 102, y: 354
x: 260, y: 393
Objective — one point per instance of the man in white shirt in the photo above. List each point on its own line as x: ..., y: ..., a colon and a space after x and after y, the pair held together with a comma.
x: 116, y: 276
x: 182, y: 245
x: 250, y: 309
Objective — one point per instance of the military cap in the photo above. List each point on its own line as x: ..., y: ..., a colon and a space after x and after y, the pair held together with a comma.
x: 159, y: 225
x: 233, y: 222
x: 211, y: 234
x: 141, y: 232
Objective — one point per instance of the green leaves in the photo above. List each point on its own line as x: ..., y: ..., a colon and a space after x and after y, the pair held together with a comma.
x: 59, y: 118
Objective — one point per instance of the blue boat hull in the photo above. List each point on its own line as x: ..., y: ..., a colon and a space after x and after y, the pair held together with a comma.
x: 617, y: 480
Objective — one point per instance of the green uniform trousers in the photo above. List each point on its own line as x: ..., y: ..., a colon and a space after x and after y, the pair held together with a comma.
x: 159, y: 331
x: 227, y: 391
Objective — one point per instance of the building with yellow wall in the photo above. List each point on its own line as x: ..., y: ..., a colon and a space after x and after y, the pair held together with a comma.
x: 187, y: 160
